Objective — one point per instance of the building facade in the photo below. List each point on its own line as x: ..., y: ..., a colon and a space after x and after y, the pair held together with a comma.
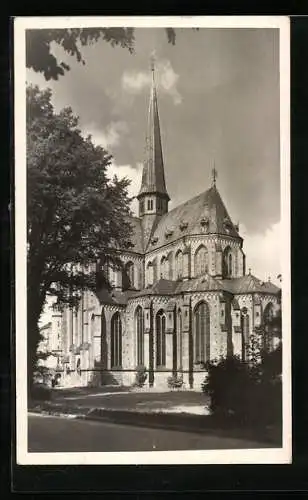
x: 181, y: 297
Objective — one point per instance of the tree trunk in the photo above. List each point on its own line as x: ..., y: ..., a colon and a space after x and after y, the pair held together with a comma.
x: 35, y: 306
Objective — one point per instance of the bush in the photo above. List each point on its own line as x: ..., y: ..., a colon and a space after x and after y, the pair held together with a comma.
x: 40, y: 392
x: 175, y: 382
x: 247, y: 392
x: 141, y: 376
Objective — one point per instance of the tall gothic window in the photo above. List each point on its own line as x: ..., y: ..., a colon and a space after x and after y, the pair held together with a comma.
x: 116, y: 341
x: 170, y: 267
x: 139, y: 336
x: 164, y: 268
x: 202, y: 333
x: 267, y: 320
x: 180, y: 341
x: 245, y: 332
x: 154, y: 264
x: 201, y: 261
x: 179, y: 264
x: 227, y: 263
x: 160, y: 339
x: 129, y: 275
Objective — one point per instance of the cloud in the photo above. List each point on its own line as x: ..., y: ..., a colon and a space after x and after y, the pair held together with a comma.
x: 134, y: 82
x: 108, y: 137
x: 263, y: 251
x: 134, y: 174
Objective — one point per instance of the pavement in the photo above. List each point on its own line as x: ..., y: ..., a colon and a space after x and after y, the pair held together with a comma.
x: 184, y: 411
x: 56, y: 434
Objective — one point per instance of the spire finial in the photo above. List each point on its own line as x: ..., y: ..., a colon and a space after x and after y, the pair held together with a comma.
x: 214, y: 175
x: 153, y: 59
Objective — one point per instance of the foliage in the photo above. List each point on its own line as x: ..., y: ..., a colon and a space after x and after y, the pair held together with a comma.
x: 40, y: 44
x: 39, y: 392
x: 175, y: 381
x: 141, y: 376
x: 76, y: 214
x: 249, y: 392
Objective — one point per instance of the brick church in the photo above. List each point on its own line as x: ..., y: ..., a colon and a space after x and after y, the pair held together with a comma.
x: 182, y: 296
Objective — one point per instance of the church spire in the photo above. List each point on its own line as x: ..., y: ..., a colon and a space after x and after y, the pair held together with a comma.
x: 153, y: 176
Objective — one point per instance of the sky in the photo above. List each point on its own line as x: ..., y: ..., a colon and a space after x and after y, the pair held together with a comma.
x: 218, y: 98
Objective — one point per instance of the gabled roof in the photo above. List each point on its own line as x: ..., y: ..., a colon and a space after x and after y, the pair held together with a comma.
x: 205, y: 213
x: 202, y: 283
x: 114, y: 297
x: 160, y: 287
x: 249, y: 284
x: 136, y: 236
x: 207, y: 283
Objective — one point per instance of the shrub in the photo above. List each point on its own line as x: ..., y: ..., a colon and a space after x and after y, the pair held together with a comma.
x: 175, y: 382
x: 40, y: 392
x: 141, y: 376
x: 247, y: 392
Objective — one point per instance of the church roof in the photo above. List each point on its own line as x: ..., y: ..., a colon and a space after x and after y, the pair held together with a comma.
x: 114, y: 297
x: 207, y: 283
x: 136, y: 236
x: 153, y: 176
x: 205, y: 213
x: 202, y: 283
x: 249, y: 284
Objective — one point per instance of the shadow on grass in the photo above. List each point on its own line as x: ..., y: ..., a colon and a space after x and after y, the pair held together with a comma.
x: 269, y: 434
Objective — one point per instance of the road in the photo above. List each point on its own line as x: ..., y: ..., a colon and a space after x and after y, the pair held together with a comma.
x: 60, y: 434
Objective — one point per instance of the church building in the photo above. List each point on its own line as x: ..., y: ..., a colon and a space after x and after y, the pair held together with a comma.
x: 182, y: 296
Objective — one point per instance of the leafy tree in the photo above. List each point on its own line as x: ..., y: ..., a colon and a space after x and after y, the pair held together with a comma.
x: 75, y: 212
x: 39, y: 42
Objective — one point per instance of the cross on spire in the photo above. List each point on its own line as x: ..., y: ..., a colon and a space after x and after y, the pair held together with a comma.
x: 214, y: 175
x: 153, y: 59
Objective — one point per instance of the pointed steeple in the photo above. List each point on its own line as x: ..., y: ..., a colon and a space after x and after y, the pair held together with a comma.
x: 153, y: 176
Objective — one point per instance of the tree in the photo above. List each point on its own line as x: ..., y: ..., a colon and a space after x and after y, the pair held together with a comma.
x: 76, y: 214
x: 39, y: 42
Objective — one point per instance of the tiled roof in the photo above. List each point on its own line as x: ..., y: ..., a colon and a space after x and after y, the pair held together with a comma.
x: 115, y: 297
x: 160, y: 287
x: 203, y: 213
x: 245, y: 284
x: 204, y: 283
x: 249, y: 284
x: 136, y: 234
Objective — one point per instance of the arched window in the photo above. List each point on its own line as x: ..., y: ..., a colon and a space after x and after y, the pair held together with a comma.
x: 179, y: 264
x: 245, y: 332
x: 170, y: 269
x: 179, y: 341
x: 164, y: 268
x: 149, y: 274
x: 160, y: 339
x: 201, y: 261
x: 227, y: 263
x: 102, y: 354
x: 267, y: 323
x: 140, y: 284
x: 230, y: 264
x: 154, y: 264
x: 139, y: 335
x: 116, y: 341
x: 201, y: 333
x: 128, y: 276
